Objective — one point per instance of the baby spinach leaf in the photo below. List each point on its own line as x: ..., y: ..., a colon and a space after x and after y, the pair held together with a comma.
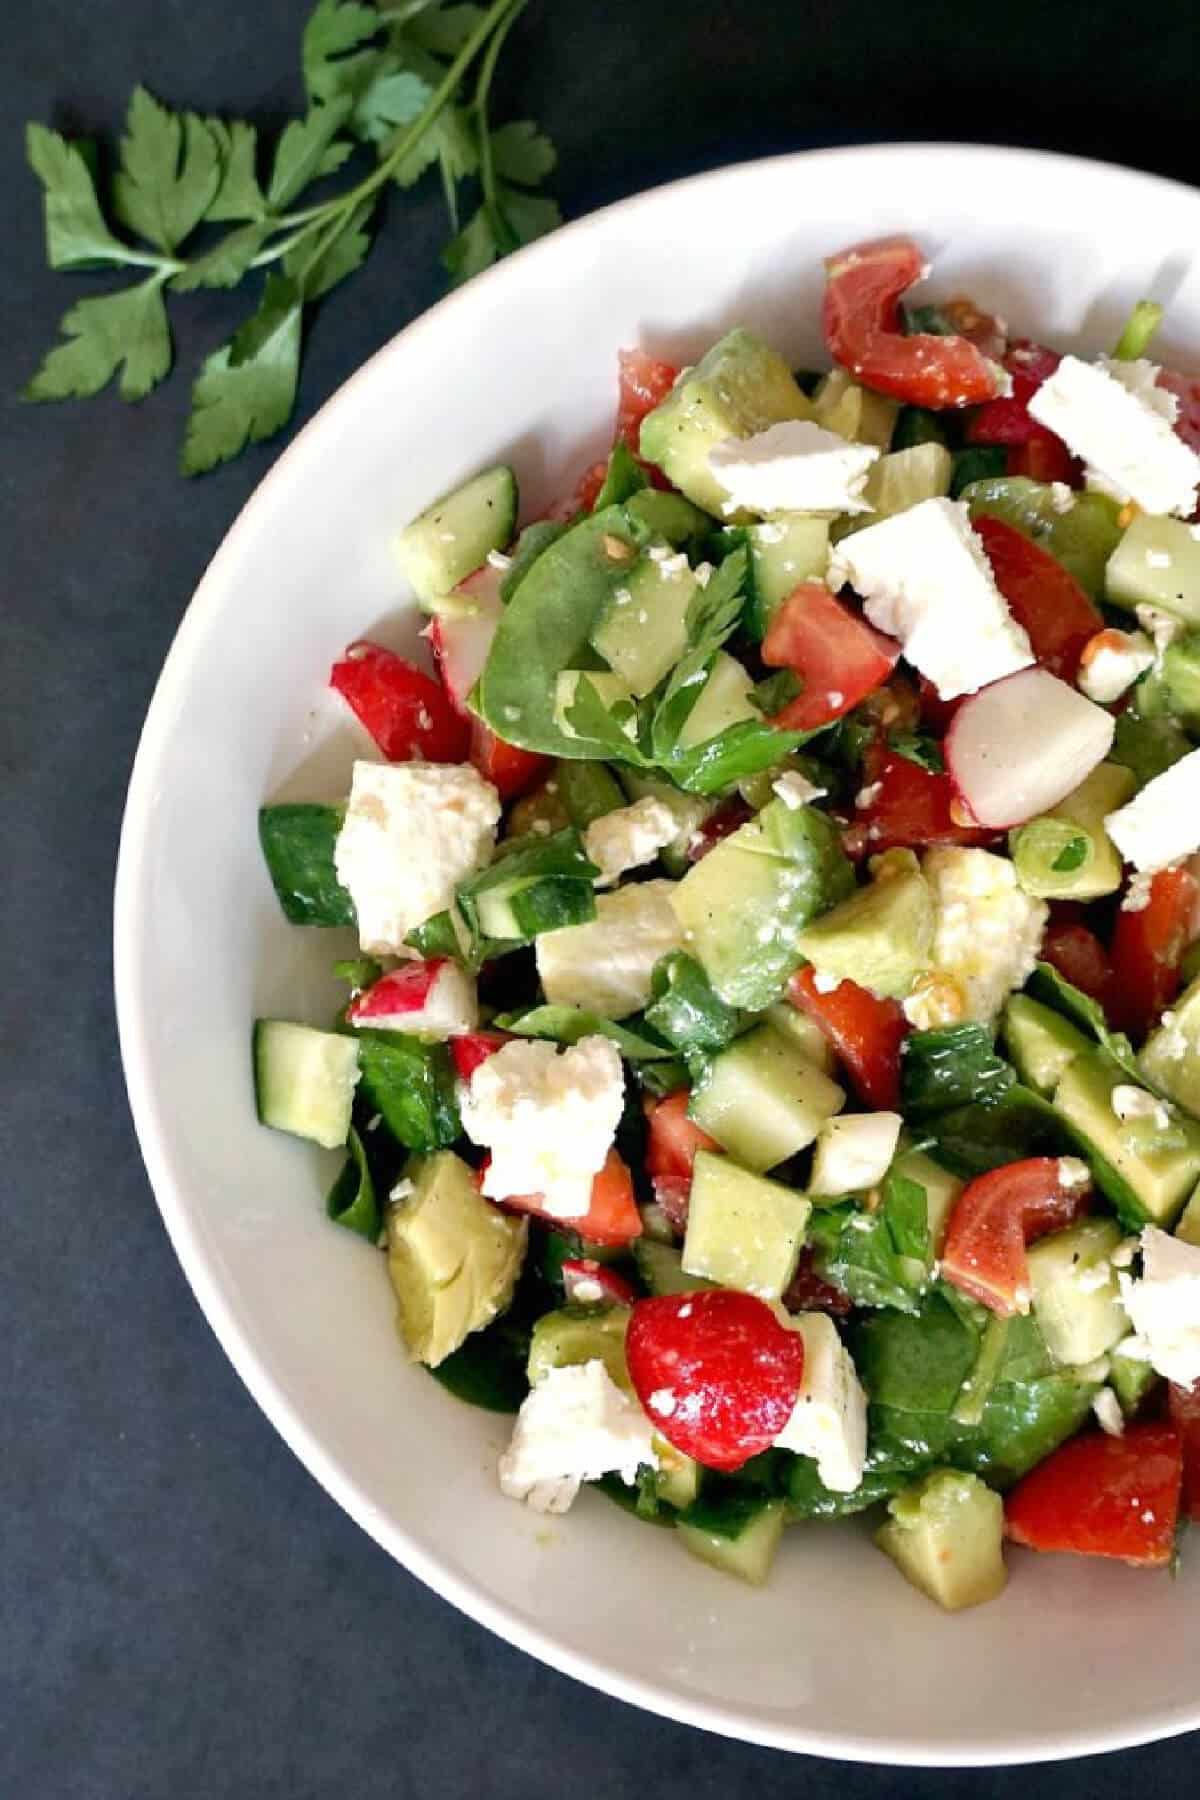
x: 685, y: 1009
x: 1055, y: 991
x: 411, y: 1084
x: 950, y: 1067
x: 567, y: 1024
x: 351, y: 1200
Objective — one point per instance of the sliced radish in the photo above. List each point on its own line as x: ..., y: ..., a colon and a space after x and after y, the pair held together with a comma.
x: 461, y: 634
x: 436, y: 998
x: 471, y: 1048
x: 1018, y: 747
x: 590, y: 1283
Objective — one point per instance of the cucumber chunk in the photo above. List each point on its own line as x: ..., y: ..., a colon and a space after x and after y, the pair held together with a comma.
x: 661, y: 1268
x: 763, y: 1101
x: 1041, y: 1043
x: 304, y: 1080
x: 642, y: 630
x: 1076, y: 1298
x: 945, y: 1535
x: 451, y: 538
x: 786, y: 550
x: 724, y: 701
x: 1157, y: 563
x: 738, y: 1534
x: 1171, y: 1054
x: 298, y: 844
x: 742, y: 1231
x: 580, y: 1334
x: 1160, y: 1168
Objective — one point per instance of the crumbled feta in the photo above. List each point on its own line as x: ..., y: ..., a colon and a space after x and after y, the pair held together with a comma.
x: 548, y: 1115
x: 829, y: 1420
x: 1161, y: 824
x: 496, y: 559
x: 605, y: 966
x: 1074, y: 1174
x: 629, y: 837
x: 1137, y: 894
x: 825, y: 983
x: 793, y: 466
x: 1062, y: 498
x: 854, y: 1152
x: 1114, y: 416
x: 574, y: 1426
x: 925, y: 579
x: 795, y: 790
x: 1112, y: 661
x: 1130, y: 1102
x: 1164, y: 1307
x: 412, y: 832
x: 987, y: 931
x: 400, y: 1191
x: 1162, y: 627
x: 1107, y: 1409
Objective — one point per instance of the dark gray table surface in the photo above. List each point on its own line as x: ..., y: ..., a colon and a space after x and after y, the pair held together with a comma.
x: 182, y: 1610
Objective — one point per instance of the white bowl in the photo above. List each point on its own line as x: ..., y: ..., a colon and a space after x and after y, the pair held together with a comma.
x: 838, y: 1656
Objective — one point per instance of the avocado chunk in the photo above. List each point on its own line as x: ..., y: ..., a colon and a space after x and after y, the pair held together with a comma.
x: 738, y: 1533
x: 580, y: 1334
x: 724, y: 701
x: 1188, y: 1227
x: 1041, y: 1043
x: 453, y: 1258
x: 743, y: 1231
x: 1171, y: 1054
x: 744, y: 905
x: 1076, y: 1297
x: 1131, y: 1379
x: 804, y: 1033
x: 881, y: 936
x: 945, y: 1534
x: 1066, y: 854
x: 1160, y: 1167
x: 855, y: 412
x: 1157, y: 563
x: 739, y: 388
x: 1180, y: 676
x: 641, y: 631
x: 762, y: 1100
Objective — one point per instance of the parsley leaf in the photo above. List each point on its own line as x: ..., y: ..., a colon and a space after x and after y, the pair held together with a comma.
x: 127, y: 330
x: 76, y: 235
x: 444, y: 30
x: 170, y: 172
x: 246, y: 389
x: 307, y: 149
x: 225, y: 264
x: 520, y: 152
x: 238, y: 194
x: 345, y: 254
x: 334, y: 28
x: 924, y: 751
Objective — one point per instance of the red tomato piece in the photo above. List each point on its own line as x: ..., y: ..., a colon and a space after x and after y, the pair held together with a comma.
x: 1042, y: 596
x: 1186, y: 389
x: 993, y: 1220
x: 474, y: 1047
x: 612, y: 1217
x: 729, y: 817
x: 1007, y: 420
x: 1183, y: 1404
x: 673, y: 1138
x: 1079, y: 957
x: 511, y: 770
x: 860, y: 318
x: 912, y: 807
x: 1103, y: 1496
x: 1044, y: 457
x: 866, y: 1033
x: 590, y: 1282
x: 716, y: 1371
x: 837, y: 655
x: 1147, y: 946
x: 407, y: 712
x: 809, y: 1292
x: 644, y: 384
x: 983, y: 329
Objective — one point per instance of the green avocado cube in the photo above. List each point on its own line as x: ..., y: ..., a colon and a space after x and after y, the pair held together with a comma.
x: 945, y: 1535
x: 743, y: 1231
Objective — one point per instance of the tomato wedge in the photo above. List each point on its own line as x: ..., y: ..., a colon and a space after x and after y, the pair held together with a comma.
x: 809, y: 1292
x: 838, y: 656
x: 997, y: 1215
x: 716, y: 1371
x: 911, y: 807
x: 1044, y: 457
x: 1147, y: 946
x: 1079, y: 957
x: 1103, y: 1496
x: 1183, y: 1404
x: 866, y: 1033
x: 511, y: 770
x: 1007, y: 420
x: 673, y: 1138
x: 408, y: 713
x: 729, y: 817
x: 1042, y: 596
x: 611, y: 1218
x: 644, y: 383
x: 861, y: 320
x: 1186, y: 389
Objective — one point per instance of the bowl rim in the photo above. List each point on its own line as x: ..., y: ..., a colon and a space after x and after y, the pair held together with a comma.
x: 167, y: 1182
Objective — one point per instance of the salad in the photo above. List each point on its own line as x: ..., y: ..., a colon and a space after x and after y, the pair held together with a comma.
x: 771, y: 1056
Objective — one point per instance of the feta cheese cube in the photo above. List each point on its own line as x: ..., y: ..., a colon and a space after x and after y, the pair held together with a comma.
x: 605, y: 966
x: 854, y: 1152
x: 629, y: 837
x: 793, y: 466
x: 1114, y: 416
x: 987, y: 931
x: 1111, y: 662
x: 574, y: 1426
x: 1161, y: 824
x: 1164, y: 1307
x: 829, y: 1420
x: 795, y: 790
x: 412, y: 832
x: 548, y: 1115
x: 924, y: 578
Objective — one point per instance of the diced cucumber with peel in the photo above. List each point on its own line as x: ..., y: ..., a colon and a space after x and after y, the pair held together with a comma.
x: 642, y: 631
x: 304, y: 1080
x: 679, y: 1476
x: 738, y: 1535
x: 1131, y: 1379
x: 1041, y: 1043
x: 1171, y: 1054
x: 946, y: 1535
x: 1159, y: 1167
x: 452, y: 538
x: 580, y: 1334
x: 763, y: 1101
x: 1157, y: 563
x: 660, y: 1266
x: 786, y: 550
x: 1076, y: 1298
x: 724, y: 701
x: 743, y: 1231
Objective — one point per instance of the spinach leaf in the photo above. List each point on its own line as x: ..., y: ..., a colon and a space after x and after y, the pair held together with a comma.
x: 809, y: 1498
x: 686, y: 1011
x: 915, y: 1362
x: 623, y: 478
x: 297, y: 843
x: 567, y: 1024
x: 1055, y: 991
x: 410, y: 1083
x: 950, y: 1067
x: 735, y: 754
x: 351, y: 1200
x: 712, y: 617
x: 879, y: 1258
x: 533, y: 540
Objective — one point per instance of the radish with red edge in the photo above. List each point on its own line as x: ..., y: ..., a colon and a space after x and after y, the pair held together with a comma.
x: 461, y: 634
x: 1018, y: 747
x: 589, y: 1283
x: 470, y: 1048
x: 716, y: 1371
x: 435, y: 998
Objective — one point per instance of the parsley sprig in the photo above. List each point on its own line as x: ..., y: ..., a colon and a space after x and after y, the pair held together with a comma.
x: 199, y: 203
